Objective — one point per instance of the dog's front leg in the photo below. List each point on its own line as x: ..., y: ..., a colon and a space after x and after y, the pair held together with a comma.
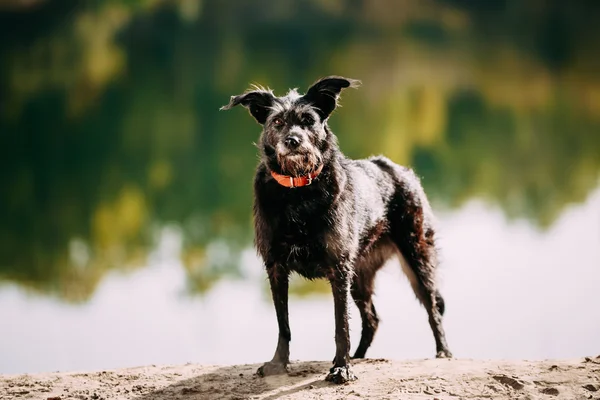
x: 341, y: 372
x: 279, y: 282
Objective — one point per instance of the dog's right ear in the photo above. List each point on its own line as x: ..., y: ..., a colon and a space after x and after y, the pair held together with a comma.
x: 258, y: 102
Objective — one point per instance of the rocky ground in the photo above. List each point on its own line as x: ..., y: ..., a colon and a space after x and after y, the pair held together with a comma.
x: 377, y: 379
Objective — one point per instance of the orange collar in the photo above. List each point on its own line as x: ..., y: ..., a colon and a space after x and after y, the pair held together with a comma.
x: 294, y: 182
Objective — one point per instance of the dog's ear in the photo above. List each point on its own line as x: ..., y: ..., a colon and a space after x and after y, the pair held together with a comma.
x: 324, y: 93
x: 258, y: 102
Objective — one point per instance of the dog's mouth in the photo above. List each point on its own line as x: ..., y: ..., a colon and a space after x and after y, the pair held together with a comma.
x: 297, y: 162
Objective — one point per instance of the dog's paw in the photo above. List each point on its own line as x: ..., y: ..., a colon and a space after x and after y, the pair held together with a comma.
x: 443, y: 354
x: 272, y: 368
x: 341, y: 375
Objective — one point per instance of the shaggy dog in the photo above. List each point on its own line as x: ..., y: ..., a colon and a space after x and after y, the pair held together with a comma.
x: 323, y: 215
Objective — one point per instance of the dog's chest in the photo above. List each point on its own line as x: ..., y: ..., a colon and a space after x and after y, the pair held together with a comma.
x: 300, y: 244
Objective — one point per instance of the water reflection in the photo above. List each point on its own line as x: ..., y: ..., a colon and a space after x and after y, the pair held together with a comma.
x: 110, y: 132
x: 512, y: 292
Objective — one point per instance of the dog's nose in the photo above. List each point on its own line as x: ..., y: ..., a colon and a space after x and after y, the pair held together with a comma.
x: 292, y: 141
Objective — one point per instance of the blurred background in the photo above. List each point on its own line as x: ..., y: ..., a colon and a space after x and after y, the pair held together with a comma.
x: 125, y: 206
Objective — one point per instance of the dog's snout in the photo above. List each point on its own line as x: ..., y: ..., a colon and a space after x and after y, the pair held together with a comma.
x: 292, y: 141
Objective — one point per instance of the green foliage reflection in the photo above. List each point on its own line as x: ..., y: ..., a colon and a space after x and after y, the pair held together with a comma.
x: 110, y: 129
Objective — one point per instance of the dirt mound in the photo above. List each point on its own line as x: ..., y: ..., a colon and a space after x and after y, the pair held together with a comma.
x: 381, y: 379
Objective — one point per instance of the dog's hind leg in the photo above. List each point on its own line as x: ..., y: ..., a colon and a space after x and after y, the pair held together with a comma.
x: 419, y: 262
x: 362, y: 293
x: 362, y: 290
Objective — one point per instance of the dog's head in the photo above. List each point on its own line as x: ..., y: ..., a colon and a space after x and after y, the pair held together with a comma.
x: 295, y: 139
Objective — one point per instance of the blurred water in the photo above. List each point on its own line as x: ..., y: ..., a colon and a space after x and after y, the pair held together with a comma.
x: 511, y: 292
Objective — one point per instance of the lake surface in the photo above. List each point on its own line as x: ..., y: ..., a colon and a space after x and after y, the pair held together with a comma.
x: 511, y: 293
x: 125, y: 214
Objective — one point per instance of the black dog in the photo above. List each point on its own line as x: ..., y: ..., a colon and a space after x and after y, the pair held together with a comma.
x: 323, y: 215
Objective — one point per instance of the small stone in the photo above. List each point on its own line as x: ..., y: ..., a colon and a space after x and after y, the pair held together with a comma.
x: 508, y: 381
x: 591, y: 387
x: 550, y: 391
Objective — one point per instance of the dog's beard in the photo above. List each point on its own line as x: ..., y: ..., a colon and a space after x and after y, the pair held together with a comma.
x: 298, y: 163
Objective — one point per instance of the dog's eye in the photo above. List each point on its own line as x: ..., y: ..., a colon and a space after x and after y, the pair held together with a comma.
x: 308, y: 120
x: 278, y: 122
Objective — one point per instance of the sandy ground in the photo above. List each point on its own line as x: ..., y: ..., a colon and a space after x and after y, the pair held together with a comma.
x: 377, y: 379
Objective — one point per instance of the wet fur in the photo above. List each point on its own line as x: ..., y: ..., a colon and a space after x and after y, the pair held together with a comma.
x: 343, y: 227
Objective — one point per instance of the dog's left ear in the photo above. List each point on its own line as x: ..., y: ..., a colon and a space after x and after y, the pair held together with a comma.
x: 324, y: 93
x: 258, y: 102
